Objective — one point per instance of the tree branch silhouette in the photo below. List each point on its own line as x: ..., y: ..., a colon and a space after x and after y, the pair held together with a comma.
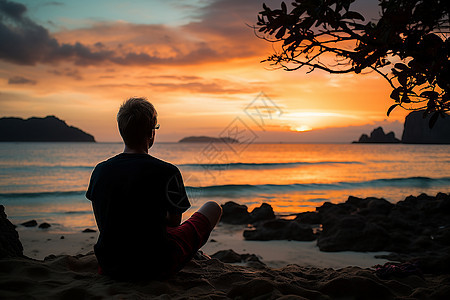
x: 411, y: 35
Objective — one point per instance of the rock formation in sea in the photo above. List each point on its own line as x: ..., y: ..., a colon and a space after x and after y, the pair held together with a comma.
x: 417, y: 130
x: 48, y: 129
x: 378, y: 136
x: 208, y: 139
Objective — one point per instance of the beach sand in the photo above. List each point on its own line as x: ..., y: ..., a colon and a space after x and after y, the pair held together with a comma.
x: 294, y: 270
x: 75, y: 277
x: 66, y: 268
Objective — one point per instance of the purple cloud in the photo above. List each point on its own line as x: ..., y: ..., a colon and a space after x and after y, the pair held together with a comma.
x: 220, y: 34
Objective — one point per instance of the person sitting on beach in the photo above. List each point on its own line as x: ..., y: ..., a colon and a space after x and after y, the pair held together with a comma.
x: 138, y: 202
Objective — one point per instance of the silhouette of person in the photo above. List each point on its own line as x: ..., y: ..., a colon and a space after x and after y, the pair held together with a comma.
x: 138, y: 202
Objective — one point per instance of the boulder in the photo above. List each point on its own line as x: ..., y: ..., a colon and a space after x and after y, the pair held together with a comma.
x: 262, y: 213
x: 352, y: 233
x: 308, y: 217
x: 44, y: 225
x: 414, y: 225
x: 376, y: 207
x: 280, y: 229
x: 417, y: 130
x: 31, y: 223
x: 10, y: 245
x: 233, y: 213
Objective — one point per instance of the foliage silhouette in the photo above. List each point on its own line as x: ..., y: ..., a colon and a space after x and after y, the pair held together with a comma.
x: 410, y: 35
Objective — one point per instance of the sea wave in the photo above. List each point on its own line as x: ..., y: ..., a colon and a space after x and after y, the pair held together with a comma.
x: 19, y: 167
x: 246, y: 166
x: 78, y: 212
x: 41, y: 194
x: 218, y: 166
x: 233, y: 190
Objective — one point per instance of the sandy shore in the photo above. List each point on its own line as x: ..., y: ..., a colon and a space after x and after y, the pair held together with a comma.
x: 279, y: 269
x: 70, y: 277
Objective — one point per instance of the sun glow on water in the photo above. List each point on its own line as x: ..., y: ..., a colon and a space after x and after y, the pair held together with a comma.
x: 47, y: 181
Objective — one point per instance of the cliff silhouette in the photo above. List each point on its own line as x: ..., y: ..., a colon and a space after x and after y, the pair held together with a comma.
x: 417, y: 130
x: 48, y: 129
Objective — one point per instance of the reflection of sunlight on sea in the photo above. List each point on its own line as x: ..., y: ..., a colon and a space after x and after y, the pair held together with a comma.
x: 301, y: 201
x: 47, y: 181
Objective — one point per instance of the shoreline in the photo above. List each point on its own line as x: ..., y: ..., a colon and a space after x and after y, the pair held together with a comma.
x: 281, y: 269
x: 39, y: 244
x: 358, y: 232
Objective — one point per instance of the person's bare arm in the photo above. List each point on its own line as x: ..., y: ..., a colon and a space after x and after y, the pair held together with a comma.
x: 173, y: 219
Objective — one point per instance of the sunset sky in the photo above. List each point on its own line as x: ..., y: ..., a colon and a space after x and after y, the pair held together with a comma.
x: 197, y: 61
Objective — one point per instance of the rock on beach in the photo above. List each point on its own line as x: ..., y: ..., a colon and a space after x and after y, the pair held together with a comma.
x: 10, y: 245
x: 76, y: 277
x: 236, y: 214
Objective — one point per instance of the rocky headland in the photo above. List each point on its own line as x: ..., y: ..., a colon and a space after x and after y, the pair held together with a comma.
x: 48, y: 129
x: 418, y: 131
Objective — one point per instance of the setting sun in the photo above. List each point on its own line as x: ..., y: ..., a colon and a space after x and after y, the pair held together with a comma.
x: 302, y: 128
x: 245, y: 167
x: 199, y: 64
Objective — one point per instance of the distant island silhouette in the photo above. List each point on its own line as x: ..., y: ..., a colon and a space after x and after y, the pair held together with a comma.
x: 48, y: 129
x: 378, y: 136
x: 207, y: 139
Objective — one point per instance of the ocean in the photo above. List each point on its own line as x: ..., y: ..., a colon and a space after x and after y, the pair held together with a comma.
x: 47, y: 181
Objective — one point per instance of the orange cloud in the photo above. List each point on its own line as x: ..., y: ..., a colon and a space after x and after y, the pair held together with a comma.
x: 200, y: 75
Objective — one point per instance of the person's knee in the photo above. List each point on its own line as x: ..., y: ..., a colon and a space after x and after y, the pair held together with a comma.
x: 213, y: 208
x: 213, y: 211
x: 213, y: 205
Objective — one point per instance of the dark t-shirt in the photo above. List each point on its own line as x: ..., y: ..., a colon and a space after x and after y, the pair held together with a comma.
x: 131, y: 195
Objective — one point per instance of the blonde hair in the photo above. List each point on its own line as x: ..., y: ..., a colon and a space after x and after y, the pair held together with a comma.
x: 136, y: 120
